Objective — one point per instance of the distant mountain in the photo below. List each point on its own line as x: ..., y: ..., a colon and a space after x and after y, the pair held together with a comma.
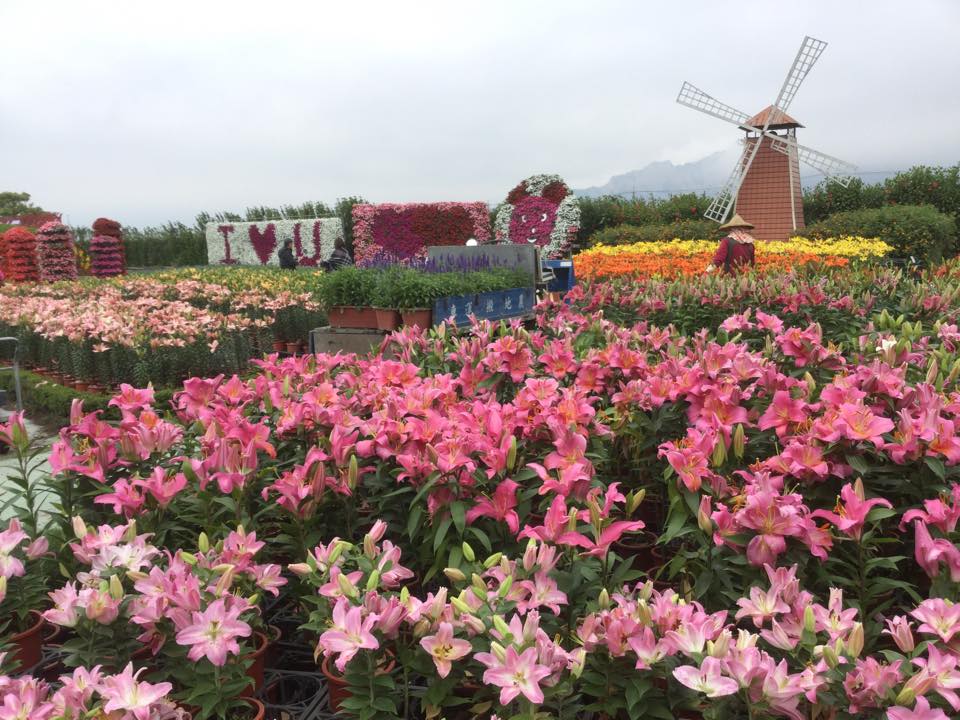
x: 663, y: 178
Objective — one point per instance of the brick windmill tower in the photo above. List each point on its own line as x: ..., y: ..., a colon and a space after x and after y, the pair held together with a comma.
x: 764, y: 187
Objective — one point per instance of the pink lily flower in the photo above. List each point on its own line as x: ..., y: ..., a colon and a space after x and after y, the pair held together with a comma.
x: 921, y: 711
x: 213, y: 632
x: 444, y: 648
x: 501, y: 506
x: 706, y: 679
x: 350, y: 633
x: 851, y: 510
x: 124, y: 692
x: 518, y: 673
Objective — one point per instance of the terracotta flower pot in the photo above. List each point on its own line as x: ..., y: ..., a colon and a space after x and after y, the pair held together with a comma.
x: 258, y: 710
x: 421, y: 318
x: 353, y: 317
x: 28, y: 645
x: 292, y: 347
x: 388, y: 319
x: 255, y: 671
x: 279, y: 345
x: 337, y: 688
x: 81, y: 385
x: 640, y: 551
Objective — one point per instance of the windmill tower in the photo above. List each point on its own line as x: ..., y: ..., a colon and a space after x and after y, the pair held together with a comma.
x: 764, y: 186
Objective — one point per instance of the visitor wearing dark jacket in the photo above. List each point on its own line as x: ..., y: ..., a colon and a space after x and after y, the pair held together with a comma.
x: 339, y: 258
x: 287, y: 260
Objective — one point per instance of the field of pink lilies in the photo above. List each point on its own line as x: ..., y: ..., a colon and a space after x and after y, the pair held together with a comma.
x: 703, y: 498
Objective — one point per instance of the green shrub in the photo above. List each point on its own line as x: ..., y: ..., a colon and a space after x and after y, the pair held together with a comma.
x: 610, y: 210
x: 918, y: 231
x: 628, y: 234
x: 172, y: 245
x: 830, y: 197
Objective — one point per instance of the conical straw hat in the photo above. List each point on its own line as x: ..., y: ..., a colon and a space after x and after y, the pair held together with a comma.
x: 736, y: 222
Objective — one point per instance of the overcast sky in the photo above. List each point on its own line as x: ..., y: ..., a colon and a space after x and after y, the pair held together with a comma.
x: 146, y: 112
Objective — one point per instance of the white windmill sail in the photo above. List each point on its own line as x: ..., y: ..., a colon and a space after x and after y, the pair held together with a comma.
x: 832, y: 167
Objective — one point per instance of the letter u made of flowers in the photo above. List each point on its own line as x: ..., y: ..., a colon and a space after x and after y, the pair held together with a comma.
x: 540, y: 211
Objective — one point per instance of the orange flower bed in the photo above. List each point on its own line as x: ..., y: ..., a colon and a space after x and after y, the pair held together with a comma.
x: 671, y: 266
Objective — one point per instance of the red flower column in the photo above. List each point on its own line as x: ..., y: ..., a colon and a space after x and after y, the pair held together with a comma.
x: 106, y: 249
x: 21, y: 255
x: 55, y: 252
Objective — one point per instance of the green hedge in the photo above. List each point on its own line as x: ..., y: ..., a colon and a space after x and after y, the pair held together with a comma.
x: 52, y: 402
x: 918, y: 231
x: 629, y: 234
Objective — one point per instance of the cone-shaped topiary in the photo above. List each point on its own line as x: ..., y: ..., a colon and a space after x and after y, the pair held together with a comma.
x: 55, y: 252
x: 21, y: 255
x: 107, y: 257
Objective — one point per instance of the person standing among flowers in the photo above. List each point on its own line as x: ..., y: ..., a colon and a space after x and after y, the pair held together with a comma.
x: 287, y: 260
x: 736, y: 250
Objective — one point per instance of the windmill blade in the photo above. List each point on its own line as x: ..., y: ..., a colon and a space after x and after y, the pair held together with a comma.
x: 834, y: 168
x: 694, y: 97
x: 809, y: 53
x: 720, y: 207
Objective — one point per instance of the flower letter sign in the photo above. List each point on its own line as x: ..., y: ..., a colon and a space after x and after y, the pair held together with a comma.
x: 403, y: 231
x: 540, y: 211
x: 257, y: 243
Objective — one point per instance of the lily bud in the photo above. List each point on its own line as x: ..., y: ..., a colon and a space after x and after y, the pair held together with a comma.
x: 572, y: 521
x: 353, y: 472
x: 225, y: 581
x: 644, y: 614
x: 131, y: 534
x: 594, y: 514
x: 116, y: 588
x: 703, y: 515
x: 460, y: 605
x: 954, y: 372
x: 719, y: 456
x: 830, y: 657
x: 530, y: 555
x: 634, y: 499
x: 855, y: 640
x: 604, y: 600
x: 299, y: 569
x: 337, y: 552
x: 809, y: 619
x: 369, y: 547
x: 739, y: 441
x: 906, y: 697
x: 858, y: 489
x: 811, y: 383
x: 80, y: 528
x: 501, y: 625
x: 473, y: 623
x: 505, y: 587
x: 3, y: 587
x: 18, y: 433
x: 373, y: 580
x: 646, y: 592
x: 346, y: 587
x: 421, y: 628
x: 512, y: 453
x: 404, y: 595
x: 188, y: 558
x: 222, y: 568
x: 933, y: 371
x: 454, y: 574
x: 441, y: 330
x: 64, y: 571
x: 492, y: 560
x: 899, y: 630
x: 136, y: 575
x: 499, y: 652
x: 203, y: 542
x: 468, y: 552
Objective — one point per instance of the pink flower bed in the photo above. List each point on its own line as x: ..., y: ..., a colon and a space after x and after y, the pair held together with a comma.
x: 405, y: 230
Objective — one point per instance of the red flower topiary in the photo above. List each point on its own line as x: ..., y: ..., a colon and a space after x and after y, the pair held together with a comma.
x: 21, y: 255
x: 107, y: 257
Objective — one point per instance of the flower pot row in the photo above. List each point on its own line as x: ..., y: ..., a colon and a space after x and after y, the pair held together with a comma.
x: 387, y: 319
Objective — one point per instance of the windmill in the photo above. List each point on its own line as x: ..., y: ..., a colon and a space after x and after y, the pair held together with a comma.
x: 765, y: 183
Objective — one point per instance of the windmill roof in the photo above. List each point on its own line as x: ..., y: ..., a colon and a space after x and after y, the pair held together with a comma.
x: 784, y: 121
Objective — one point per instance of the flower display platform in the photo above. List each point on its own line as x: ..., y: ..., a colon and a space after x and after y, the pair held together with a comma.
x: 348, y: 340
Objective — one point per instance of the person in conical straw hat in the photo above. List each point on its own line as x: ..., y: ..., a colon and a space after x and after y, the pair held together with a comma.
x: 736, y: 251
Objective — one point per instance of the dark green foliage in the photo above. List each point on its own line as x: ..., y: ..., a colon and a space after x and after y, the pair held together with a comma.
x: 173, y: 244
x: 628, y: 234
x: 611, y: 210
x: 918, y: 231
x: 830, y: 197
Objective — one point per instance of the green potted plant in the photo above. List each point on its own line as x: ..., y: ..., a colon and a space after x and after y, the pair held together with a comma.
x: 385, y: 299
x: 348, y: 296
x: 415, y: 294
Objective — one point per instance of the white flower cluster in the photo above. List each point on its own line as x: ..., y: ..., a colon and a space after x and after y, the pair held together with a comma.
x: 257, y: 243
